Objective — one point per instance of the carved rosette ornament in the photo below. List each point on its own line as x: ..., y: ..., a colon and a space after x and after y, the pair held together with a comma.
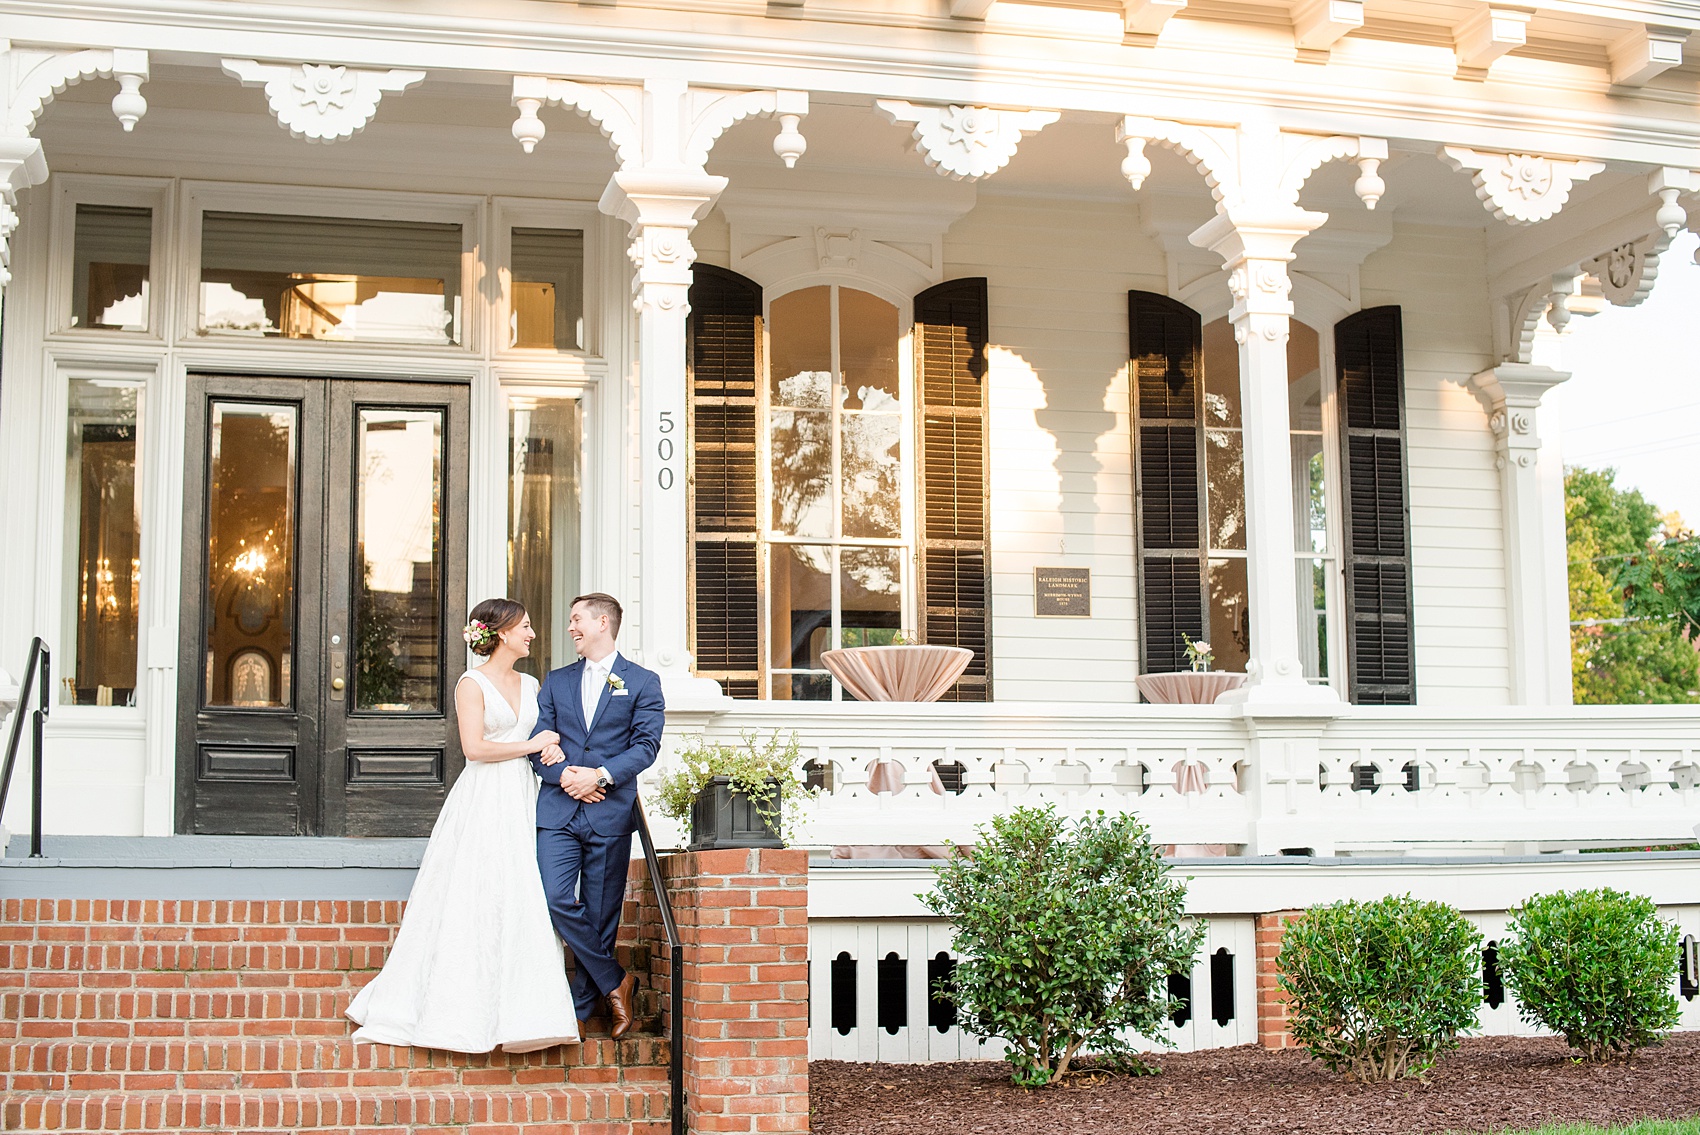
x: 1520, y: 189
x: 321, y: 102
x: 966, y: 143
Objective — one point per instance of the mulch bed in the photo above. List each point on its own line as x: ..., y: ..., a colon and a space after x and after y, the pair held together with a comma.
x: 1489, y: 1084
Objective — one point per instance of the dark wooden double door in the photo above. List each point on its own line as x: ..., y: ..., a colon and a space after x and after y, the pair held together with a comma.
x: 324, y: 585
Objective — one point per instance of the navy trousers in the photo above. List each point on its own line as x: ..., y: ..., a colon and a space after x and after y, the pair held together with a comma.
x: 584, y: 879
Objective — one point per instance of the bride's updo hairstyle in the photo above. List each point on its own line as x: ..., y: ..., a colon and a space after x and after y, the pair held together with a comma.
x: 488, y: 620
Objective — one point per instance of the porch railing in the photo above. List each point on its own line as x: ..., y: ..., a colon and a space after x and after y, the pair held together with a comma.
x: 1367, y: 778
x: 38, y: 671
x: 675, y: 976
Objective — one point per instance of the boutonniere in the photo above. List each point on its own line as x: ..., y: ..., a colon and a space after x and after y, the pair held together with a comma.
x: 618, y: 684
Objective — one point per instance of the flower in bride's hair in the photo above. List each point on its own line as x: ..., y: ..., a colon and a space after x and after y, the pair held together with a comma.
x: 476, y: 633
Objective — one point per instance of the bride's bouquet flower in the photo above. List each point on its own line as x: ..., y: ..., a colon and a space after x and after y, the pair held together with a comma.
x: 476, y: 634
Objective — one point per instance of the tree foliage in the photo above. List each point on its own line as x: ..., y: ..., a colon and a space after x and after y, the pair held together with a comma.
x: 1634, y: 595
x: 1068, y: 933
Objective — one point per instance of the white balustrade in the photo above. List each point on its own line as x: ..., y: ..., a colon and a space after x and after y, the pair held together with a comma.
x: 1388, y: 779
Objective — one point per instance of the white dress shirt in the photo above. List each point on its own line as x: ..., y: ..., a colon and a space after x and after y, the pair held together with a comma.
x: 590, y: 691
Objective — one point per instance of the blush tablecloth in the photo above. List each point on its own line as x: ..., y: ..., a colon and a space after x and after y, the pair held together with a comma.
x: 897, y: 673
x: 1188, y: 687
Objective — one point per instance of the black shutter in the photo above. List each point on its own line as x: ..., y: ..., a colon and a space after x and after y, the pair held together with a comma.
x: 1380, y: 648
x: 951, y: 332
x: 724, y: 345
x: 1166, y: 349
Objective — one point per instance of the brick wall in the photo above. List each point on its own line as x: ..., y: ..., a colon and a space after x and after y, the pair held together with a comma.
x: 1272, y: 1031
x: 743, y: 917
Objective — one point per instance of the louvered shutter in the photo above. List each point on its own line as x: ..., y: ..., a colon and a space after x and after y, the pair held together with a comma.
x: 951, y: 332
x: 724, y: 361
x: 1381, y: 651
x: 1166, y: 348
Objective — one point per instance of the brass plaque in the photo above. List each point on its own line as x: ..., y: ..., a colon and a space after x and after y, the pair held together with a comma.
x: 1062, y: 592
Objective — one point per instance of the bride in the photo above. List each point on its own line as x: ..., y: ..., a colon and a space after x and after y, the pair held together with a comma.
x: 477, y: 963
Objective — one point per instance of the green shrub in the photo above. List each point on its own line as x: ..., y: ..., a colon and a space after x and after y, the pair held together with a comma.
x: 1596, y: 967
x: 1380, y: 990
x: 1067, y: 934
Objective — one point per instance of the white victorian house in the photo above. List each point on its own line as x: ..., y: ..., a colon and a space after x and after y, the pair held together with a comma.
x: 801, y: 323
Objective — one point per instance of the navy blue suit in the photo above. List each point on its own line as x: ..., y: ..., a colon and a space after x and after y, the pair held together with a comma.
x: 584, y: 850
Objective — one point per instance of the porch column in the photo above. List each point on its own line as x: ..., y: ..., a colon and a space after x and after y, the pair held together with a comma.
x: 22, y: 165
x: 1256, y: 252
x: 662, y: 206
x: 1531, y: 485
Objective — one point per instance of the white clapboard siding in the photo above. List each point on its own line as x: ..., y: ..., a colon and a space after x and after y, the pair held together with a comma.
x: 1058, y: 274
x: 1457, y: 534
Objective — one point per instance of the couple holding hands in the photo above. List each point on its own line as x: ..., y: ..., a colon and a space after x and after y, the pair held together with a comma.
x: 530, y: 850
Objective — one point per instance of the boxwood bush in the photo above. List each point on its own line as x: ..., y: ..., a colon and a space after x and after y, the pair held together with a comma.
x: 1380, y: 990
x: 1596, y: 967
x: 1067, y: 933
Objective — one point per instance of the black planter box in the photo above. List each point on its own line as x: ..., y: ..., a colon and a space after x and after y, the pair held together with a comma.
x: 722, y: 817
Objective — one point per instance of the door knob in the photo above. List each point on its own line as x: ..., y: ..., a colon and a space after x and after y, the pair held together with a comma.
x: 337, y: 683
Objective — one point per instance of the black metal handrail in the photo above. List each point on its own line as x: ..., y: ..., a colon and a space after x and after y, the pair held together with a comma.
x: 38, y: 670
x: 675, y: 973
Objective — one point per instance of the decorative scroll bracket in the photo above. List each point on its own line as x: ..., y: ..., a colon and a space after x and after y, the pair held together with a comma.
x: 1520, y: 189
x: 321, y: 102
x: 37, y: 77
x: 966, y: 143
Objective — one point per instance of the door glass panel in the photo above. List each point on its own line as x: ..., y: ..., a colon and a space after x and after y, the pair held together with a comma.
x: 103, y: 532
x: 398, y: 639
x: 251, y: 518
x: 330, y: 278
x: 801, y: 596
x: 548, y: 289
x: 543, y: 521
x: 109, y: 287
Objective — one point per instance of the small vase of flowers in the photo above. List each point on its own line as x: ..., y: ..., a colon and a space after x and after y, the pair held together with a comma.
x: 1198, y: 653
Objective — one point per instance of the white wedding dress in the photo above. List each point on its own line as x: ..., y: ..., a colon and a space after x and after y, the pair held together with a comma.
x: 477, y: 963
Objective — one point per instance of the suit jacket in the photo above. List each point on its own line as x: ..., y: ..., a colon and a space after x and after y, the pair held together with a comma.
x: 624, y: 737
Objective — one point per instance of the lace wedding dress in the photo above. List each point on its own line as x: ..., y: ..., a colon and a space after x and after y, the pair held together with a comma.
x: 477, y: 963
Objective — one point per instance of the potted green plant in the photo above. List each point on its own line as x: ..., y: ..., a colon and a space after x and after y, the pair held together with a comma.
x: 734, y: 795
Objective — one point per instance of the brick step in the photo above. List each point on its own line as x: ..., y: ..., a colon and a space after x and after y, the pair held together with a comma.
x: 214, y: 1064
x: 637, y: 1110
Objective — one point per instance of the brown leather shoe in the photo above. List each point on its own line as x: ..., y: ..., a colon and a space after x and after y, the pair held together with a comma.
x: 620, y: 1005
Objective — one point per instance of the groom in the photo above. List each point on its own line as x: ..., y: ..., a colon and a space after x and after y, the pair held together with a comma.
x: 609, y: 715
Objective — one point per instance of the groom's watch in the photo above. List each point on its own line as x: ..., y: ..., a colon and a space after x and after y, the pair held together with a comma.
x: 603, y: 780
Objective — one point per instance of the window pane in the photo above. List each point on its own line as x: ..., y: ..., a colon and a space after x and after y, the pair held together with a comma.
x: 109, y: 286
x: 867, y: 351
x: 103, y: 532
x: 330, y: 278
x: 543, y: 521
x: 1310, y: 494
x: 870, y: 594
x: 1313, y: 616
x: 1224, y: 466
x: 398, y: 634
x: 251, y: 511
x: 1230, y: 616
x: 1221, y: 375
x: 800, y: 342
x: 802, y: 472
x: 548, y: 289
x: 800, y: 599
x: 873, y: 474
x: 1304, y: 378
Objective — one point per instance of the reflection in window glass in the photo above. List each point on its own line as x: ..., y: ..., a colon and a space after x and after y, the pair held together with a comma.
x: 1230, y: 614
x: 330, y: 278
x: 547, y: 268
x: 800, y: 606
x: 1315, y: 565
x: 835, y: 427
x: 251, y: 517
x: 543, y: 521
x: 103, y: 532
x: 112, y: 250
x: 398, y: 633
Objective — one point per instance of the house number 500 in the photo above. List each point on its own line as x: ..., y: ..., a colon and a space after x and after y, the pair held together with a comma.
x: 664, y: 450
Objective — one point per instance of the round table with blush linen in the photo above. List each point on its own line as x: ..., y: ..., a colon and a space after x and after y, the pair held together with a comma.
x: 1188, y: 687
x: 919, y: 673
